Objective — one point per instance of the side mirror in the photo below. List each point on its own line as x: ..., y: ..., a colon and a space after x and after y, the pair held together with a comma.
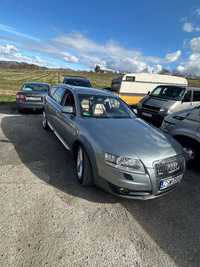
x: 148, y: 93
x: 68, y: 110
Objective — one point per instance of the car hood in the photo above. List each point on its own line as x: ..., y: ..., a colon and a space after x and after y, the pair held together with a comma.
x: 158, y: 102
x: 131, y: 137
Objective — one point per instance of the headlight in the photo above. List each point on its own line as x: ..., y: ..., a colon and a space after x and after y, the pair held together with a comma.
x: 125, y: 163
x: 165, y: 111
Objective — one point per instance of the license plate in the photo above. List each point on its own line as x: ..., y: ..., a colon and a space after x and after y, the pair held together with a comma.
x: 147, y: 114
x: 33, y: 98
x: 165, y: 183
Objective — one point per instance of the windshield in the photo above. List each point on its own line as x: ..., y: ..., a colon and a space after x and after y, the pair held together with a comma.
x: 169, y: 92
x: 78, y: 82
x: 35, y: 87
x: 100, y: 106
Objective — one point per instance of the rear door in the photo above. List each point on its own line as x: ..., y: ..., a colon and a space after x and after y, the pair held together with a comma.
x: 67, y: 122
x: 53, y: 106
x: 196, y: 98
x: 186, y: 102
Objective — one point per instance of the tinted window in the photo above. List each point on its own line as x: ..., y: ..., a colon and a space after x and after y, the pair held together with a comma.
x: 35, y: 87
x: 78, y: 82
x: 52, y: 91
x: 130, y: 78
x: 196, y: 96
x: 187, y: 97
x: 58, y: 94
x: 97, y: 106
x: 169, y: 92
x: 68, y: 99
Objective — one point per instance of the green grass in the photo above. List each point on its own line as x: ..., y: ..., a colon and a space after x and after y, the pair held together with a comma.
x: 12, y: 79
x: 7, y: 99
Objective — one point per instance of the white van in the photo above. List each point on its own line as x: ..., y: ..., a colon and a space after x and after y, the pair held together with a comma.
x: 133, y: 87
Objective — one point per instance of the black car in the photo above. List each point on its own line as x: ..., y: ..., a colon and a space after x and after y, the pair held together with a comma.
x: 31, y: 95
x: 77, y: 81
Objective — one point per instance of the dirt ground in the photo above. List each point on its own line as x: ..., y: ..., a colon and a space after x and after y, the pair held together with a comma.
x: 48, y: 219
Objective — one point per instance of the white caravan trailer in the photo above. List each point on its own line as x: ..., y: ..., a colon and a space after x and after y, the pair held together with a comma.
x: 132, y: 87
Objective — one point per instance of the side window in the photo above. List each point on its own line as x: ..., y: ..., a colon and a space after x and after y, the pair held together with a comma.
x: 58, y: 94
x: 196, y: 96
x: 187, y: 97
x: 68, y: 100
x: 52, y: 91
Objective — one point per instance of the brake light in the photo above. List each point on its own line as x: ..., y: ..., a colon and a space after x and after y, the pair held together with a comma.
x: 20, y: 97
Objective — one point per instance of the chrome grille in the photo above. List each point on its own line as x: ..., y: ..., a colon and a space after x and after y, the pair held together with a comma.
x: 170, y: 167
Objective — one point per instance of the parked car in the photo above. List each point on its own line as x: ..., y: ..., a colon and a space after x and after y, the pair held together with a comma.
x: 31, y: 95
x: 165, y: 100
x: 185, y: 127
x: 132, y: 87
x: 111, y: 146
x: 77, y: 81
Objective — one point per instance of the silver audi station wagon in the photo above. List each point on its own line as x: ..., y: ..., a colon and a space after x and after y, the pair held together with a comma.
x: 112, y: 148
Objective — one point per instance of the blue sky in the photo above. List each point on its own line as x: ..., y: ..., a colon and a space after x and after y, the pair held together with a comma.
x: 120, y: 35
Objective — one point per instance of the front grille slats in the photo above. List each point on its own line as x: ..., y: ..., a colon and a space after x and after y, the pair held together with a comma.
x: 151, y: 108
x: 169, y: 167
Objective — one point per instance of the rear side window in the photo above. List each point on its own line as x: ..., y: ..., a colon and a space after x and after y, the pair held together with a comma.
x: 58, y: 94
x: 78, y: 82
x: 196, y: 96
x: 187, y: 97
x: 52, y: 91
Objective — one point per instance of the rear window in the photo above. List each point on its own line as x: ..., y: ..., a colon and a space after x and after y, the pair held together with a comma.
x: 169, y: 92
x: 196, y: 96
x: 78, y: 82
x: 35, y: 87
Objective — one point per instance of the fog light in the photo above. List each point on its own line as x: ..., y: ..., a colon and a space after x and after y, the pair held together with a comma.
x: 123, y: 190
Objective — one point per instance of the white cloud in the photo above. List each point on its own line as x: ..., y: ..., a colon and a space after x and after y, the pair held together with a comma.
x: 76, y: 48
x: 11, y: 53
x: 172, y: 57
x: 109, y: 55
x: 188, y: 27
x: 197, y: 11
x: 192, y: 65
x: 12, y: 30
x: 158, y: 68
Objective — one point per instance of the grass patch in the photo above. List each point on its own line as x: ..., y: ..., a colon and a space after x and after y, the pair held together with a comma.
x: 4, y: 99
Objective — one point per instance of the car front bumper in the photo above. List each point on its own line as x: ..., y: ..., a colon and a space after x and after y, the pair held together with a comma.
x: 133, y: 186
x: 152, y: 117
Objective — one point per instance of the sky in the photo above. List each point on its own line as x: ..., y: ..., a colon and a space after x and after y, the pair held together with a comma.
x: 128, y: 36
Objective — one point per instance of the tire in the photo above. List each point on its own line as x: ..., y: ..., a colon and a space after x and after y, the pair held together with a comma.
x: 191, y: 149
x: 83, y: 167
x: 45, y: 122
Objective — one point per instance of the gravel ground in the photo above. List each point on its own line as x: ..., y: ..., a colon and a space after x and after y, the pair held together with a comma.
x: 48, y: 219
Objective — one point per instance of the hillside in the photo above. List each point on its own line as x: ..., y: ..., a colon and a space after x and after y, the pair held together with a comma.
x: 12, y: 77
x: 19, y: 65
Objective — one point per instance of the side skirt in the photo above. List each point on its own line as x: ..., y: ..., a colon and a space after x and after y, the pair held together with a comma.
x: 58, y: 136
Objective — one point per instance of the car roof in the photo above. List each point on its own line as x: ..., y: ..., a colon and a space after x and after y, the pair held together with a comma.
x: 75, y: 77
x: 86, y: 90
x: 36, y: 83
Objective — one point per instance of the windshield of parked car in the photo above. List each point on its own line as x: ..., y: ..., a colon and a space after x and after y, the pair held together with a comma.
x: 100, y: 106
x: 168, y: 92
x: 78, y: 82
x: 35, y: 87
